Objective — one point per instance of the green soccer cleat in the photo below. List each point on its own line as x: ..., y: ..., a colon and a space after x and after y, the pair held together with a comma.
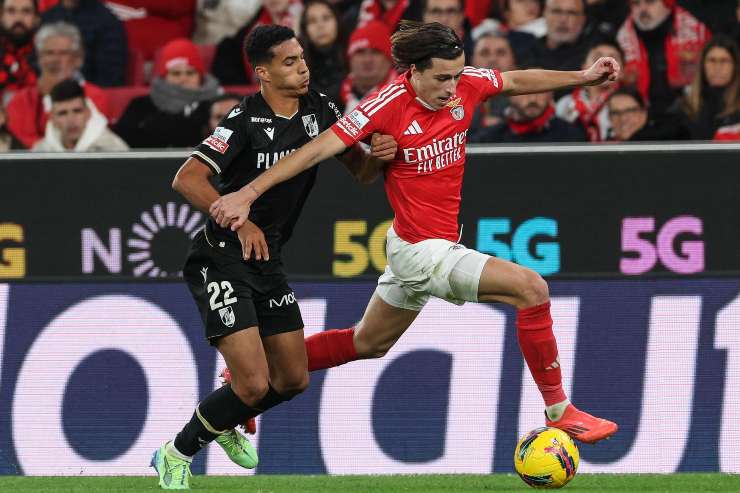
x: 238, y: 448
x: 174, y: 472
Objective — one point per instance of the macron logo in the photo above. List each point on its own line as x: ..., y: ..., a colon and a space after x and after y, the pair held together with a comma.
x: 234, y: 112
x: 269, y: 131
x: 286, y: 300
x: 414, y: 129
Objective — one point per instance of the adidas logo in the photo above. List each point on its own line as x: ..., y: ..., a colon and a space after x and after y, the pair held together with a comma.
x: 414, y: 129
x: 555, y: 364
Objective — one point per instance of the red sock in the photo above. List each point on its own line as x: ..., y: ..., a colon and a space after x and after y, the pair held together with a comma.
x: 330, y: 348
x: 540, y: 350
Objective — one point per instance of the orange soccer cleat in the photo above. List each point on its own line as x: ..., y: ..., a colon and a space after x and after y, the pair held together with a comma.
x: 251, y: 425
x: 582, y: 426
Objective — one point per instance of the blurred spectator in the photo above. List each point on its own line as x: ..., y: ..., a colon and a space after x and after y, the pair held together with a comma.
x: 220, y: 107
x: 389, y: 12
x: 230, y: 65
x: 75, y: 126
x: 630, y: 120
x: 8, y: 142
x: 586, y: 106
x: 713, y: 100
x: 564, y: 46
x: 219, y: 19
x: 103, y: 39
x: 662, y: 46
x: 607, y: 16
x: 531, y: 118
x: 18, y: 23
x: 176, y: 110
x: 324, y: 46
x: 451, y: 13
x: 492, y: 51
x: 516, y: 15
x: 152, y: 23
x: 370, y: 64
x: 60, y: 56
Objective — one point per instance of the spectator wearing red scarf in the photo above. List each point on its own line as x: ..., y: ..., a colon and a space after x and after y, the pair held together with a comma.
x: 370, y: 64
x: 19, y: 20
x: 662, y: 45
x: 531, y: 119
x: 586, y: 106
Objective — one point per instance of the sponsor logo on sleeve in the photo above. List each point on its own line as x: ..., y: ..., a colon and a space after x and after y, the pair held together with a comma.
x: 349, y: 128
x: 219, y: 140
x: 358, y: 119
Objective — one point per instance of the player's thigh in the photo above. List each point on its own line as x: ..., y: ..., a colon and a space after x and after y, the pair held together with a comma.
x: 507, y: 282
x: 245, y: 357
x: 287, y: 361
x: 281, y: 328
x: 381, y: 326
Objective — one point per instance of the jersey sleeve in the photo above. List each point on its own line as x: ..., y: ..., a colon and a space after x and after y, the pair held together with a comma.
x: 488, y: 82
x: 330, y: 112
x: 376, y: 113
x: 220, y: 148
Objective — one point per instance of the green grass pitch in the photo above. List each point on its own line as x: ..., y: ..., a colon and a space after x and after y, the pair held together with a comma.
x: 609, y: 483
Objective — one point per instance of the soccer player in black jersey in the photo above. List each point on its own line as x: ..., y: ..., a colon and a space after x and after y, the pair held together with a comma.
x: 236, y: 278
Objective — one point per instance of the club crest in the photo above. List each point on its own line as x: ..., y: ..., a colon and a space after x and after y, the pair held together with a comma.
x: 227, y: 316
x: 456, y: 108
x: 311, y: 125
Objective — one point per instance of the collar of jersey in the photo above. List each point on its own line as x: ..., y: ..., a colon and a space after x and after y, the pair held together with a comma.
x: 301, y: 105
x: 410, y: 90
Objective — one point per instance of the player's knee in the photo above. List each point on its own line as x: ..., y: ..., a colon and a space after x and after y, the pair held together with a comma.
x: 533, y: 288
x: 292, y: 385
x: 250, y: 389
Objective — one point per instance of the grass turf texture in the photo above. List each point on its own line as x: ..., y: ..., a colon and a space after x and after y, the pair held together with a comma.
x: 612, y: 483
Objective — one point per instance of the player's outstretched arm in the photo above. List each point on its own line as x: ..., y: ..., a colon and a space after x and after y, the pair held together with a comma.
x: 366, y: 167
x: 233, y: 208
x: 535, y: 80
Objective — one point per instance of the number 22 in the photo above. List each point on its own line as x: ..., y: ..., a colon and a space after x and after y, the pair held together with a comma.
x: 215, y: 290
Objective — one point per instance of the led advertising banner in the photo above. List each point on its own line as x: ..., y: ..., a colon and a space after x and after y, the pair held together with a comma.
x: 560, y: 213
x: 95, y: 376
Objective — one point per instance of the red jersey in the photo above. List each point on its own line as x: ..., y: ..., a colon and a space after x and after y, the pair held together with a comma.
x: 424, y: 180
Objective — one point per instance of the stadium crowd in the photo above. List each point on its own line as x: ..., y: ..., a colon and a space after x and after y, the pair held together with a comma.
x: 89, y: 75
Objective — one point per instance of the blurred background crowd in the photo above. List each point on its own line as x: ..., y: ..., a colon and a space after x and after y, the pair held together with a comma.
x: 89, y: 75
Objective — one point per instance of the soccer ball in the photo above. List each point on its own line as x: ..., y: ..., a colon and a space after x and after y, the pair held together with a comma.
x: 546, y: 458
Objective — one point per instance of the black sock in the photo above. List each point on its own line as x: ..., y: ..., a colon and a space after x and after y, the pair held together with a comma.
x: 270, y: 400
x: 222, y: 410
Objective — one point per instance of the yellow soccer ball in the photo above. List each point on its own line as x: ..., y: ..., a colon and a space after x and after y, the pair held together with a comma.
x: 546, y: 458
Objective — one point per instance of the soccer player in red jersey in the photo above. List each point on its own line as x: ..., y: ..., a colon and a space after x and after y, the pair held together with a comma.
x: 428, y: 111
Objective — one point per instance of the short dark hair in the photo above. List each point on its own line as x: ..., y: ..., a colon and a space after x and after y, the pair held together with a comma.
x: 34, y: 2
x: 67, y: 90
x: 605, y: 41
x: 259, y: 43
x: 225, y: 97
x: 631, y: 92
x: 416, y: 43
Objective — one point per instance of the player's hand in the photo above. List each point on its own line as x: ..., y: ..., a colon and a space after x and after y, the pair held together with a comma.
x: 231, y: 209
x: 253, y: 239
x: 604, y: 69
x: 383, y: 147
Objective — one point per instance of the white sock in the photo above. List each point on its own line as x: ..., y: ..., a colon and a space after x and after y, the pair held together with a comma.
x: 173, y: 450
x: 555, y: 412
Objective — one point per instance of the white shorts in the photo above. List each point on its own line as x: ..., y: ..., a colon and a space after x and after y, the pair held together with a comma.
x: 439, y: 268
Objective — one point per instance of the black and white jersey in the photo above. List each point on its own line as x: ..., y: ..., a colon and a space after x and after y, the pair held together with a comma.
x: 249, y: 140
